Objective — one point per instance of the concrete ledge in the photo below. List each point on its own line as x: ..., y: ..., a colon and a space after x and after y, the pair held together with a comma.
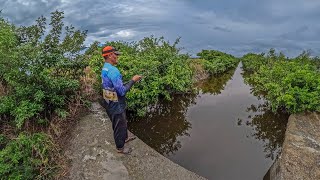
x: 300, y: 157
x: 92, y: 154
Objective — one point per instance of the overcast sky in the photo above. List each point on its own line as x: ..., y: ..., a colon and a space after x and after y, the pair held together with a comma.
x: 232, y: 26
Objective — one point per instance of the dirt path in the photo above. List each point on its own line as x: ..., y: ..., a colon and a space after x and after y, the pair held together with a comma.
x: 92, y: 154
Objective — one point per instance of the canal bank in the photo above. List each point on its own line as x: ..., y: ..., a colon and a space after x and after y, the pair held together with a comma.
x: 300, y: 157
x: 92, y: 154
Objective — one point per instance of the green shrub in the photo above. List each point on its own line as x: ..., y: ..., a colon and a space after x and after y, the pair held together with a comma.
x: 252, y: 62
x: 217, y: 62
x: 316, y: 61
x: 165, y: 71
x: 43, y: 72
x: 290, y: 84
x: 27, y: 157
x: 293, y: 85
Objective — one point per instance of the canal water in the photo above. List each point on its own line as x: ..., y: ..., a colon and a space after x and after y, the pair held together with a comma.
x: 222, y: 131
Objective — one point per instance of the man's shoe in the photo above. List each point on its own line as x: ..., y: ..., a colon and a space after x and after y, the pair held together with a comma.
x: 124, y: 150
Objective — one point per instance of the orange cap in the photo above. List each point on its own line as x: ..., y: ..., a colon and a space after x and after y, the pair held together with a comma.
x: 108, y: 50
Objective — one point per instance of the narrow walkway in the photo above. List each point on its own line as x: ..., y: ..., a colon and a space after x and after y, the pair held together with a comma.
x: 92, y: 154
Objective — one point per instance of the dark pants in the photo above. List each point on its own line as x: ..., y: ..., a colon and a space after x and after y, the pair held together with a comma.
x: 119, y: 126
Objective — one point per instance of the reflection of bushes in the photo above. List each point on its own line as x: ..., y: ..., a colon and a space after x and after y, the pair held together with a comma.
x: 164, y: 123
x: 249, y: 81
x: 269, y: 127
x: 215, y: 84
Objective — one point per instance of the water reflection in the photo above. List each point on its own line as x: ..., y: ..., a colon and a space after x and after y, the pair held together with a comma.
x: 268, y: 127
x: 165, y: 122
x: 217, y: 148
x: 249, y: 81
x: 215, y: 84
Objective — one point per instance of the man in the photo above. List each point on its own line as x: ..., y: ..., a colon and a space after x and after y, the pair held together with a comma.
x: 114, y: 92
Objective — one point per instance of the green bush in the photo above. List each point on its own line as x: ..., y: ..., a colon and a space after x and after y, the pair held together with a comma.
x: 316, y: 61
x: 165, y: 71
x: 289, y: 84
x: 8, y: 44
x: 217, y: 62
x: 293, y: 85
x: 252, y: 62
x: 42, y: 72
x: 26, y: 157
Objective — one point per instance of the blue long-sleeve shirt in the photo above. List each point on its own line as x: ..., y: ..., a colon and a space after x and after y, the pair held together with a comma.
x: 112, y: 80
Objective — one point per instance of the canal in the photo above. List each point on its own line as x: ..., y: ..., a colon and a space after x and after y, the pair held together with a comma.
x: 222, y: 131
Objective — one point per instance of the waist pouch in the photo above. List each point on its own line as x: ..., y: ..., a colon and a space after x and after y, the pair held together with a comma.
x: 109, y: 95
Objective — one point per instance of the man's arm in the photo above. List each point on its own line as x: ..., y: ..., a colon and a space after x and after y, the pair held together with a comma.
x: 119, y: 87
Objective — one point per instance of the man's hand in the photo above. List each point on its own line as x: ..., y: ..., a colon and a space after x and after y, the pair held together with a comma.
x: 136, y: 78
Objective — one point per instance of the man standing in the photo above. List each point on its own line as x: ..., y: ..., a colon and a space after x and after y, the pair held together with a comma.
x: 114, y: 92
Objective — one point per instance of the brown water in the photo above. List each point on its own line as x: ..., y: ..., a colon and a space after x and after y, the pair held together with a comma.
x: 221, y: 132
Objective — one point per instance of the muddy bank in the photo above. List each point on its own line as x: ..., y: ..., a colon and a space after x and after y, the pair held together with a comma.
x: 92, y: 154
x: 199, y: 73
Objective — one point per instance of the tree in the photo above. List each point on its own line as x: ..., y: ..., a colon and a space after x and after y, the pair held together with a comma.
x: 44, y: 71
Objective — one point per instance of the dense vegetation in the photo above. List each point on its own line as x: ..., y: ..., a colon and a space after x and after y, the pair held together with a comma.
x: 42, y: 73
x: 42, y: 78
x: 26, y: 157
x: 292, y: 84
x: 217, y: 62
x: 40, y: 81
x: 165, y: 71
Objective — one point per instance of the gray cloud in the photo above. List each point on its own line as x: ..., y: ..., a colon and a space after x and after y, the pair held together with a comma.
x: 236, y: 27
x: 223, y: 29
x: 24, y: 12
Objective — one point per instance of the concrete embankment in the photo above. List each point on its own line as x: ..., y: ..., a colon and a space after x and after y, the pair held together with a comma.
x: 300, y: 157
x: 93, y: 156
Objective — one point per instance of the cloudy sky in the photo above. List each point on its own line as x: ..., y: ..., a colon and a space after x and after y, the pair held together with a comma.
x: 232, y: 26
